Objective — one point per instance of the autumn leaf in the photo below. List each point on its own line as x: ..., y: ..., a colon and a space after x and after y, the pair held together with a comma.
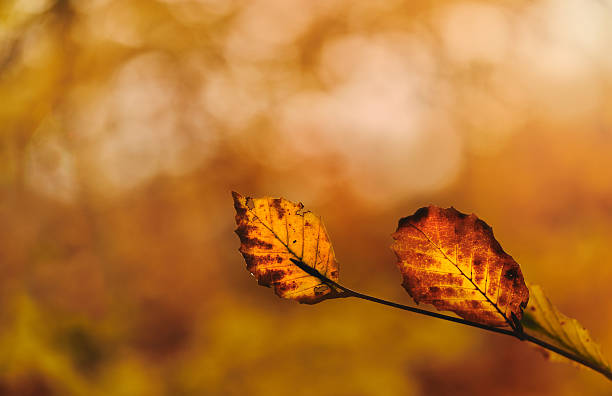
x: 544, y: 321
x: 452, y: 260
x: 275, y: 231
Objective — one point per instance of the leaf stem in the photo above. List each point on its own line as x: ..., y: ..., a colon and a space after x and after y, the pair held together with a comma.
x: 517, y: 332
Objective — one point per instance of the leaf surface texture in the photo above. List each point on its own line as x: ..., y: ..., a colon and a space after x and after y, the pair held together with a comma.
x: 273, y: 231
x: 452, y: 261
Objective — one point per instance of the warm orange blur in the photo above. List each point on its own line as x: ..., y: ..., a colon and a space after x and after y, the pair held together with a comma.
x: 124, y: 126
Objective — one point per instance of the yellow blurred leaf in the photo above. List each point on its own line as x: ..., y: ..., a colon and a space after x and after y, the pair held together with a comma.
x: 28, y: 346
x: 452, y: 260
x: 273, y: 231
x: 544, y: 321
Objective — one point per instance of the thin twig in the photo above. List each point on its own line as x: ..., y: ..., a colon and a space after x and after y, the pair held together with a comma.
x: 351, y: 293
x: 516, y: 333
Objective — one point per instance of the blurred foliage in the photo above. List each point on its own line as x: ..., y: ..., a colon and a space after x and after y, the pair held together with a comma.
x: 125, y: 125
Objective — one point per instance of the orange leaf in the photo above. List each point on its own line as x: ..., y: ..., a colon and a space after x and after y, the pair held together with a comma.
x: 452, y: 260
x: 273, y: 231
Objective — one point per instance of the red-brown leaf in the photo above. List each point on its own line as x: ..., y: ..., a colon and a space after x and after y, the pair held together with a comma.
x: 452, y: 260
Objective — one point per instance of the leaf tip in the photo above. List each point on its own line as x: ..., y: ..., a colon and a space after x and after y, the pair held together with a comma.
x: 240, y: 205
x: 238, y: 198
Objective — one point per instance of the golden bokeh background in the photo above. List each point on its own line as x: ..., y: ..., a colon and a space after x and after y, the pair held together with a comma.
x: 124, y: 125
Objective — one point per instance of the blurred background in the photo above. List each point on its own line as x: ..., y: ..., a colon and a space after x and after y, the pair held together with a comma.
x: 125, y: 125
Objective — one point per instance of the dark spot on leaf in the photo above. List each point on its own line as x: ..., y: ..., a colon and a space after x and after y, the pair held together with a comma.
x: 271, y: 276
x: 416, y: 217
x: 254, y: 260
x: 294, y: 241
x: 277, y: 205
x: 256, y: 243
x: 244, y: 229
x: 285, y: 286
x: 276, y: 275
x: 511, y: 274
x: 251, y: 261
x: 484, y: 227
x: 459, y: 214
x: 497, y: 249
x: 452, y: 214
x: 240, y: 209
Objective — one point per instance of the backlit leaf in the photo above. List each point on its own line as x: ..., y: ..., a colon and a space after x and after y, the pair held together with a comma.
x: 452, y: 260
x: 543, y: 320
x: 273, y: 231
